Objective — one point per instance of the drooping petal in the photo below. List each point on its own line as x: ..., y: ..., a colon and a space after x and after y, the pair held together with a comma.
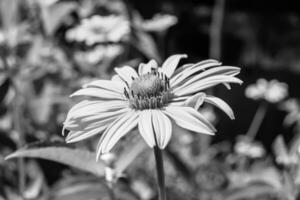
x: 115, y: 86
x: 116, y: 130
x: 82, y: 135
x: 204, y: 84
x: 221, y: 105
x: 126, y: 73
x: 190, y: 119
x: 98, y: 93
x: 195, y: 101
x: 221, y: 70
x: 146, y: 127
x: 186, y: 71
x: 146, y: 68
x: 84, y: 127
x: 89, y: 108
x: 202, y: 65
x: 162, y: 128
x: 171, y: 63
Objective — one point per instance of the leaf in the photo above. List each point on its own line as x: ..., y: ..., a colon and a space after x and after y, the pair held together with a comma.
x: 77, y: 158
x: 53, y: 15
x: 129, y: 155
x: 250, y: 192
x: 4, y: 89
x: 146, y: 45
x: 79, y: 189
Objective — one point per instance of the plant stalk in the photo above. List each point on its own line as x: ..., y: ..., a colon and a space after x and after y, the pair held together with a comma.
x: 257, y: 120
x: 160, y: 173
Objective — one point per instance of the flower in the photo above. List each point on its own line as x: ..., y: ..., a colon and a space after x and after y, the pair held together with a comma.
x: 249, y: 148
x: 272, y: 91
x: 99, y: 29
x: 152, y: 100
x: 99, y: 53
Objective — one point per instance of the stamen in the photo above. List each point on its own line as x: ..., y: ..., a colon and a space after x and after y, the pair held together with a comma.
x: 149, y: 91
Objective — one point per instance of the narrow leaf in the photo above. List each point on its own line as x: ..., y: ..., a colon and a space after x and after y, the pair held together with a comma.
x: 77, y: 158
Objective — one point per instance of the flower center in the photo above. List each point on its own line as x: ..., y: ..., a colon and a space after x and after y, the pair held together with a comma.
x: 149, y: 91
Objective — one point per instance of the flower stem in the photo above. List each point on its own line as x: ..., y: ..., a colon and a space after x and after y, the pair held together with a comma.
x: 160, y: 173
x: 257, y: 120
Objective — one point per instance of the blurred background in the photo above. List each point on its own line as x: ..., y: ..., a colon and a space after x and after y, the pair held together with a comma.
x: 50, y: 48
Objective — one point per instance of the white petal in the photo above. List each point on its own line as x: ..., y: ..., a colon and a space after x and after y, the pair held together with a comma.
x: 89, y: 108
x: 190, y: 119
x: 114, y: 86
x: 220, y: 104
x: 199, y: 65
x: 146, y: 127
x: 98, y: 93
x: 126, y: 73
x: 171, y: 63
x: 204, y: 84
x: 116, y: 130
x: 195, y: 101
x: 162, y: 127
x: 116, y: 78
x: 82, y: 135
x: 146, y: 68
x: 222, y: 70
x: 183, y: 73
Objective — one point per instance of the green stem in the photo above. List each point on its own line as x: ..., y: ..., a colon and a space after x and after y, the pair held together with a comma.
x: 257, y: 120
x: 160, y: 173
x: 17, y: 113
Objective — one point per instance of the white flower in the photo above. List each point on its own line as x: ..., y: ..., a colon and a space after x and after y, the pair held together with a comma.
x: 99, y: 53
x: 152, y: 100
x: 247, y: 148
x: 272, y: 91
x: 159, y: 22
x: 99, y: 29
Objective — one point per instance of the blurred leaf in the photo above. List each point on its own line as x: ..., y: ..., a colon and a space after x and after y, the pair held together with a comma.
x: 80, y: 189
x: 53, y: 15
x: 283, y: 156
x: 268, y: 175
x: 250, y: 192
x: 146, y: 45
x: 4, y: 89
x: 77, y: 158
x: 36, y: 183
x: 129, y: 155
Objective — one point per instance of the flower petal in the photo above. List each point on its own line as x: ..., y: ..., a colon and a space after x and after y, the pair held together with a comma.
x: 221, y: 70
x: 91, y: 107
x: 162, y: 127
x: 82, y: 135
x: 184, y: 72
x: 171, y: 63
x: 146, y: 127
x: 114, y: 86
x: 204, y: 84
x: 115, y: 131
x: 126, y: 73
x: 195, y: 101
x: 98, y: 93
x: 146, y: 68
x: 220, y: 104
x: 190, y: 119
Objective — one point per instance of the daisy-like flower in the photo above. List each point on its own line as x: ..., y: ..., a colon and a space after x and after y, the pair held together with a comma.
x: 272, y: 91
x: 151, y: 99
x: 99, y: 29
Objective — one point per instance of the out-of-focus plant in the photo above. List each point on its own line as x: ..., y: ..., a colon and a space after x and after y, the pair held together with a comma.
x: 267, y: 92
